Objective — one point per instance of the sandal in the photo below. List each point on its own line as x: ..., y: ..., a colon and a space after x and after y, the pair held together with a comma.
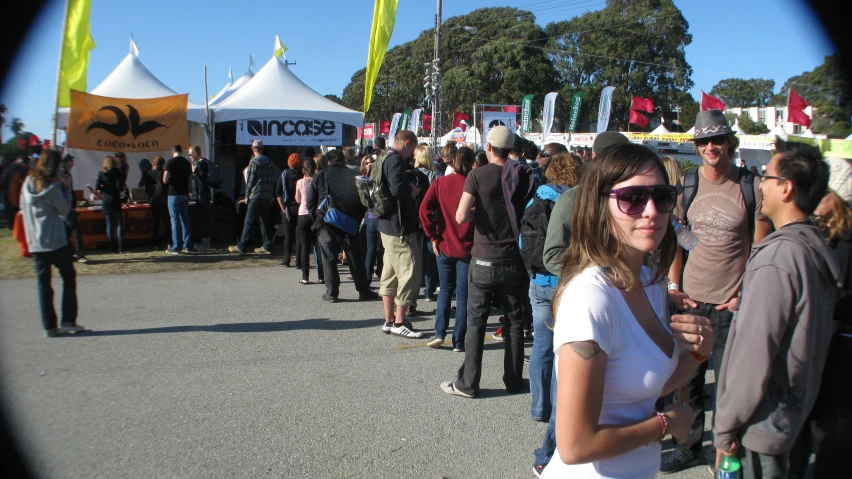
x: 304, y: 281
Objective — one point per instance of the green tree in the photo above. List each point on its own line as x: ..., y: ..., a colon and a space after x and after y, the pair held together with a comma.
x: 16, y: 125
x: 829, y: 92
x: 636, y: 46
x: 3, y: 111
x: 689, y: 109
x: 502, y: 62
x: 739, y: 92
x: 749, y: 126
x: 334, y: 98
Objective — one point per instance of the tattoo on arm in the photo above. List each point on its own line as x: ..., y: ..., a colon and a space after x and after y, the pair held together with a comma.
x: 586, y: 349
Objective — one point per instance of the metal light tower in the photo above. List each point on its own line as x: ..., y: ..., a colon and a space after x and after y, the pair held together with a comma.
x: 436, y: 81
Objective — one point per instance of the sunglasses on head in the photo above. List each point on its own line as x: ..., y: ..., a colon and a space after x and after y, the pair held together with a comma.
x: 717, y: 140
x: 632, y: 200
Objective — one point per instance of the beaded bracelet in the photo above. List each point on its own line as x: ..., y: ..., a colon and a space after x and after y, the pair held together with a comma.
x: 664, y: 425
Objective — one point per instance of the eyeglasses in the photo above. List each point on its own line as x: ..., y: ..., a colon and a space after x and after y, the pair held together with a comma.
x: 771, y: 177
x: 717, y: 140
x: 632, y: 200
x: 545, y: 154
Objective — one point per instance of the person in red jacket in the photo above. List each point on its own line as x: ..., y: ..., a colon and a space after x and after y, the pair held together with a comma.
x: 451, y: 243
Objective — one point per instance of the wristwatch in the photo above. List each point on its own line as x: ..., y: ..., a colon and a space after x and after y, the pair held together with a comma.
x: 673, y: 287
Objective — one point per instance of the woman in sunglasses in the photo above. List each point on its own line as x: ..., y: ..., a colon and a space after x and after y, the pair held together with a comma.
x: 614, y: 354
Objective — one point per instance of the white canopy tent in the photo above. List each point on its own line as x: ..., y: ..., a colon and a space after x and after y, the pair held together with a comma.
x: 232, y: 88
x: 690, y: 131
x: 130, y: 79
x: 737, y: 129
x: 660, y: 130
x: 276, y: 91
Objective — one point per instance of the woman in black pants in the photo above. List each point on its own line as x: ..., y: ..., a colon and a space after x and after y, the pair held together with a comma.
x: 286, y: 194
x: 110, y: 184
x: 158, y: 199
x: 306, y: 235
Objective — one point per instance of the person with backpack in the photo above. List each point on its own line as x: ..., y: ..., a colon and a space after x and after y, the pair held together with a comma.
x: 452, y: 243
x: 562, y: 174
x: 206, y: 178
x: 285, y: 192
x: 721, y: 204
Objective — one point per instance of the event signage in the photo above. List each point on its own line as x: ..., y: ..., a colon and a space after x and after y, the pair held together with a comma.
x: 490, y: 119
x: 604, y: 108
x: 526, y: 113
x: 369, y: 131
x: 289, y: 132
x: 394, y: 126
x: 127, y: 125
x: 576, y: 104
x: 414, y: 124
x: 547, y: 116
x: 405, y: 120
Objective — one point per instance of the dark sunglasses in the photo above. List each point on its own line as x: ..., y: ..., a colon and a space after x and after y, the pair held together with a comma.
x: 633, y: 199
x: 717, y: 140
x: 545, y: 154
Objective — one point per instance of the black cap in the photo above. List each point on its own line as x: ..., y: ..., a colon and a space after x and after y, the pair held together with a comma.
x: 67, y: 158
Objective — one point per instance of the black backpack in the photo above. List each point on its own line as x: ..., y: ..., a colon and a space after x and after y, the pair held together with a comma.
x: 214, y: 175
x: 746, y: 180
x: 534, y: 231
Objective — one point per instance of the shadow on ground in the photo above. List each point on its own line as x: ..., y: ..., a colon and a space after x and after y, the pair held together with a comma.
x: 323, y: 324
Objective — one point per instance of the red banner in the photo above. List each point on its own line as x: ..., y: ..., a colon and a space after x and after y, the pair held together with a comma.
x: 711, y: 102
x: 369, y: 131
x: 384, y: 127
x: 511, y: 109
x: 34, y: 140
x: 426, y: 123
x: 458, y: 117
x: 796, y: 110
x: 642, y: 104
x: 638, y: 119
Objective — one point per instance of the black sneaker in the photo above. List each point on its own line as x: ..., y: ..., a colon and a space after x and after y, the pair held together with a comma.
x: 368, y: 296
x: 329, y: 299
x: 677, y: 461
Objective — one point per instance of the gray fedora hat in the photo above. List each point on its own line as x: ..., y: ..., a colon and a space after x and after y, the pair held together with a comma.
x: 711, y: 123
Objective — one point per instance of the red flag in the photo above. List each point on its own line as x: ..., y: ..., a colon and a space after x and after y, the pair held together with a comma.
x: 46, y: 144
x: 796, y: 110
x: 384, y: 127
x: 638, y: 119
x: 642, y: 104
x: 711, y: 102
x: 22, y: 143
x: 426, y: 123
x: 511, y: 109
x: 34, y: 140
x: 458, y: 117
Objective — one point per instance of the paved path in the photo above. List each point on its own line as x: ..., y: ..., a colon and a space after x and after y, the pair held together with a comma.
x: 246, y: 373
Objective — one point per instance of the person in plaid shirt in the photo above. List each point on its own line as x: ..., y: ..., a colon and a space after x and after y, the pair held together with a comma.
x: 260, y: 187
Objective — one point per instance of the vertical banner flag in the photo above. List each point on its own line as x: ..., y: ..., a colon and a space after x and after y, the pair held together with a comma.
x: 604, y: 108
x: 414, y: 124
x: 394, y: 126
x: 576, y: 104
x: 547, y: 115
x: 458, y: 117
x: 76, y: 44
x: 711, y: 102
x: 796, y: 110
x: 526, y: 113
x: 405, y: 120
x: 129, y: 125
x: 369, y: 131
x: 384, y: 17
x: 490, y: 119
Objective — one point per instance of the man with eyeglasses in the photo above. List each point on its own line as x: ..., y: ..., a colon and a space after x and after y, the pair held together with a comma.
x: 721, y: 204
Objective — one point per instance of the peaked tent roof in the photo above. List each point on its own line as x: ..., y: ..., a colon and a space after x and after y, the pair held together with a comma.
x: 276, y: 91
x: 660, y: 130
x: 131, y: 79
x: 737, y: 129
x: 232, y: 88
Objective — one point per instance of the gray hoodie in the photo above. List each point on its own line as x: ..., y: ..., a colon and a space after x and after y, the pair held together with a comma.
x: 778, y: 342
x: 43, y: 212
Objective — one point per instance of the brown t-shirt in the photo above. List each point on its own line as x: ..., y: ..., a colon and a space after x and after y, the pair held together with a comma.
x: 718, y: 216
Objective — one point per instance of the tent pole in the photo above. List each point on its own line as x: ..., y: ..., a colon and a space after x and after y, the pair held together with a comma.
x: 59, y: 75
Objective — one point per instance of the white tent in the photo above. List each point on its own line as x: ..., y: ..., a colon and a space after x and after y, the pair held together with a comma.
x: 232, y: 88
x: 778, y: 132
x: 737, y: 129
x: 276, y: 91
x: 131, y: 79
x: 808, y: 134
x: 849, y: 138
x: 691, y: 131
x: 660, y: 130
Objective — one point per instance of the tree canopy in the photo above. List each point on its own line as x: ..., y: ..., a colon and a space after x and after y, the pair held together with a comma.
x: 828, y: 90
x: 745, y: 93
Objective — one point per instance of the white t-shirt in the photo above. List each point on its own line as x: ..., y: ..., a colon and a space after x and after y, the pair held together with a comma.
x: 636, y: 369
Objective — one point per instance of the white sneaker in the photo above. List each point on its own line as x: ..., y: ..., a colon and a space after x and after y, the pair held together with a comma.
x: 387, y: 327
x: 406, y: 331
x: 71, y: 328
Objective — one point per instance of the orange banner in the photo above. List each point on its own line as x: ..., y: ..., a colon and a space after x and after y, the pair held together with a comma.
x: 127, y: 125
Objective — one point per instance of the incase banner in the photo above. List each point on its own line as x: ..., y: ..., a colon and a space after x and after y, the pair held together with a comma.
x: 128, y: 125
x: 289, y: 132
x: 526, y: 113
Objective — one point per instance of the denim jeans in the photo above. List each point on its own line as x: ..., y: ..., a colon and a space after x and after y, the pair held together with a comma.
x: 374, y: 250
x: 116, y: 242
x: 453, y: 273
x: 507, y: 280
x: 307, y: 240
x: 256, y: 210
x: 548, y: 445
x: 179, y: 211
x: 72, y: 225
x: 61, y: 258
x: 541, y: 356
x: 720, y: 321
x: 430, y: 269
x: 292, y: 244
x: 330, y: 244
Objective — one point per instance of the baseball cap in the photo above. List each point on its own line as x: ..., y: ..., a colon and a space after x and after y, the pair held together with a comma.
x: 257, y: 144
x: 501, y: 137
x: 608, y: 138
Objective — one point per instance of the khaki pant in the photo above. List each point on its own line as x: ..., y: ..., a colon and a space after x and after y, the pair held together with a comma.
x: 402, y: 270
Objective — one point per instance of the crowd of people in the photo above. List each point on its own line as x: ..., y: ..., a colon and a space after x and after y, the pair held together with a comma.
x: 578, y: 251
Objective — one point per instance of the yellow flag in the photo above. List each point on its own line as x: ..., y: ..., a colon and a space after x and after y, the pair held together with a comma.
x: 279, y: 49
x: 384, y: 17
x: 76, y: 44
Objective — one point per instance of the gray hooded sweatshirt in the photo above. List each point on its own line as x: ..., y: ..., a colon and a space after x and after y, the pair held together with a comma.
x: 43, y: 212
x: 778, y: 342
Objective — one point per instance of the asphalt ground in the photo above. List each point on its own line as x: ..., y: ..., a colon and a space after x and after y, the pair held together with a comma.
x: 247, y: 373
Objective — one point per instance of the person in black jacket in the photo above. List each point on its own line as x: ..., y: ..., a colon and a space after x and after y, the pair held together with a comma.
x: 336, y: 183
x: 285, y: 193
x: 158, y: 200
x: 110, y: 184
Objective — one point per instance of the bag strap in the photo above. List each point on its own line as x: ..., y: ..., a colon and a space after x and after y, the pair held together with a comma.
x: 747, y: 186
x: 690, y: 188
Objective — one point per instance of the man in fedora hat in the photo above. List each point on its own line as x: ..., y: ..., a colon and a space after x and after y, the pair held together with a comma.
x: 721, y: 204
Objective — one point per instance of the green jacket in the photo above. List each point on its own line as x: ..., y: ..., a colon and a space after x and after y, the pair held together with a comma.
x: 559, y: 232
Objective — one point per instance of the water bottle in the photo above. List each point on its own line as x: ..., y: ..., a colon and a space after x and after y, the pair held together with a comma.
x: 729, y: 468
x: 685, y: 237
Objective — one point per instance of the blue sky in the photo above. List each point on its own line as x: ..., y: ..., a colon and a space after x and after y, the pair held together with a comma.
x: 328, y: 41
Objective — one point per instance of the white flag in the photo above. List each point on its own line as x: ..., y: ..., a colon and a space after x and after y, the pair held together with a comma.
x: 133, y: 48
x: 279, y: 49
x: 414, y: 124
x: 230, y: 76
x: 547, y: 115
x: 604, y: 108
x: 251, y: 62
x: 394, y: 126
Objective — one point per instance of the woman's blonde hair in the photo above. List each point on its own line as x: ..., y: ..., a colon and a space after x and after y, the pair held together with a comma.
x: 594, y: 239
x: 839, y: 220
x: 109, y: 163
x: 424, y: 157
x: 673, y: 171
x: 46, y: 169
x: 564, y: 169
